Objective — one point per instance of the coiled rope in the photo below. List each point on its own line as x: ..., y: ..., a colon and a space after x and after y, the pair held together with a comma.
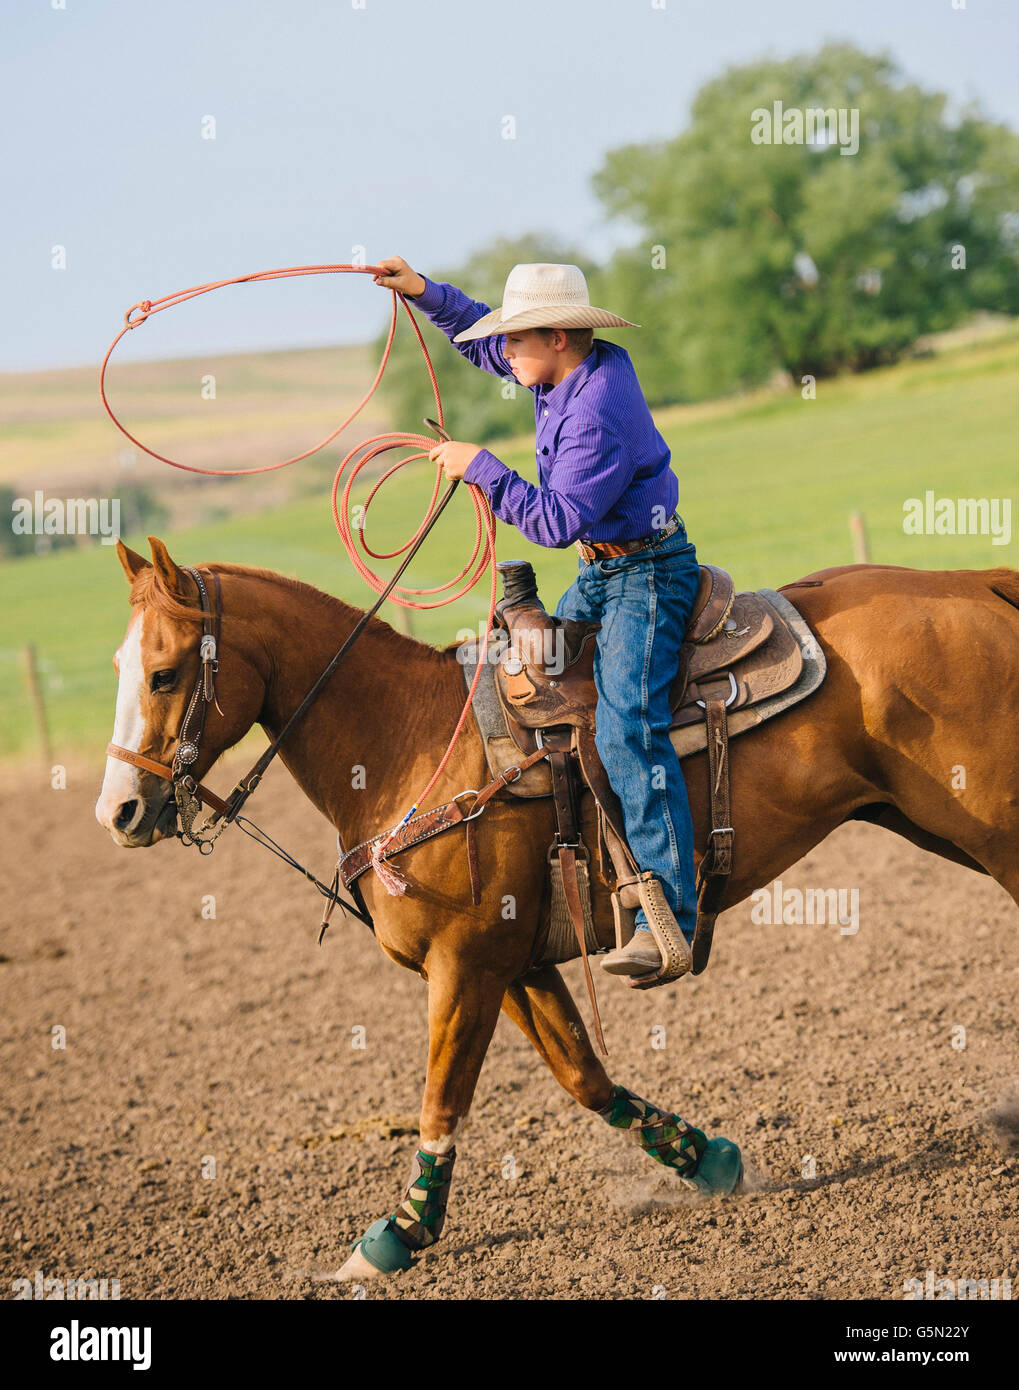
x: 363, y: 454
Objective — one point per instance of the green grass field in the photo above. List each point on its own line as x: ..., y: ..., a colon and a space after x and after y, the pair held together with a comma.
x: 766, y: 488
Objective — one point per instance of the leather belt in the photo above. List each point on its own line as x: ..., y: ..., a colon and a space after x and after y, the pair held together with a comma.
x: 602, y: 550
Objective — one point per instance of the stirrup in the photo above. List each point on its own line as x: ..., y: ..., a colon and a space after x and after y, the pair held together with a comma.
x: 677, y: 958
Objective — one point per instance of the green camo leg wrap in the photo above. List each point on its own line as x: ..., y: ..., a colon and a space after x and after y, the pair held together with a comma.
x: 419, y: 1217
x: 668, y: 1139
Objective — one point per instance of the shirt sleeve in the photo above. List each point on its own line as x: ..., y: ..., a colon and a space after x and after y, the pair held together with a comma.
x: 452, y: 311
x: 591, y: 471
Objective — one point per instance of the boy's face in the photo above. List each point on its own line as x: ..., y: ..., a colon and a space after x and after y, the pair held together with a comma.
x: 532, y: 359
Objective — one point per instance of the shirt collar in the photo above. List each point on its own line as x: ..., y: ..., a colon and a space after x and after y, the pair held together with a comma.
x: 556, y: 397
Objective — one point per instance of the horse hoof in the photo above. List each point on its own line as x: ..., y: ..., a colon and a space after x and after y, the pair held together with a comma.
x: 381, y: 1250
x: 356, y: 1269
x: 720, y: 1170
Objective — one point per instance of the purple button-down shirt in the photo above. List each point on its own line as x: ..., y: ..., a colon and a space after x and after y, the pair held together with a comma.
x: 603, y: 468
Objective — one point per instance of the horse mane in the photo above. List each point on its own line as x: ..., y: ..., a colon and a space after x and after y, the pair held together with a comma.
x: 147, y: 589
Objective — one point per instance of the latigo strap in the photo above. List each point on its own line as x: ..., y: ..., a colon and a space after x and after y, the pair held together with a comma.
x: 716, y: 864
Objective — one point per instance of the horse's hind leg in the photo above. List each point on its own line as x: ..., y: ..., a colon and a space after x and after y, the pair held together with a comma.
x: 543, y: 1008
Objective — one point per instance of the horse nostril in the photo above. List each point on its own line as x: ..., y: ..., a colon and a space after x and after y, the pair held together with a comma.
x: 125, y: 815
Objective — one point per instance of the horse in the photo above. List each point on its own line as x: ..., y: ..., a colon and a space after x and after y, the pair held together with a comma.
x: 922, y: 684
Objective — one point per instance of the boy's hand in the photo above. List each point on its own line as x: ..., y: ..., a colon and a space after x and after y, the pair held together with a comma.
x: 400, y: 277
x: 454, y: 457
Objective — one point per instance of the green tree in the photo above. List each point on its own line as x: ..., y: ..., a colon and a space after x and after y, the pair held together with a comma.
x: 753, y: 257
x: 478, y: 407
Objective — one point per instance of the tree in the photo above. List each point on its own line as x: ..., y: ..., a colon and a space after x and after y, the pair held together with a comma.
x: 752, y: 257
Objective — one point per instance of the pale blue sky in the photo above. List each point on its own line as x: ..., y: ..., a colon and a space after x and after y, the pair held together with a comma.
x: 380, y: 126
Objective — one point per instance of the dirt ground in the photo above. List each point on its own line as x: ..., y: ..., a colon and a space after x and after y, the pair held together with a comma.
x: 193, y: 1042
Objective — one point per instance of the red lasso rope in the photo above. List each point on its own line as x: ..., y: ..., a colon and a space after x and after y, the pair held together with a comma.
x: 369, y: 449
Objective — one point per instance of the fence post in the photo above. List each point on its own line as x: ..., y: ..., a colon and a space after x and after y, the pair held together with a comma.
x: 38, y: 702
x: 861, y: 545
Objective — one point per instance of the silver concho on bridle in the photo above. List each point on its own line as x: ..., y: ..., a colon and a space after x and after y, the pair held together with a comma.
x: 187, y: 753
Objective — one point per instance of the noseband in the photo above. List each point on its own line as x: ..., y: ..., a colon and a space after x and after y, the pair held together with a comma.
x: 187, y: 793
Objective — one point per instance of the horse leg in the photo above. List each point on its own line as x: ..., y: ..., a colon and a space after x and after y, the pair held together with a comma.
x: 543, y: 1008
x: 463, y: 1008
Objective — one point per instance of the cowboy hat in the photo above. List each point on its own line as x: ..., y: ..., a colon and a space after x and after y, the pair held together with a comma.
x: 543, y: 296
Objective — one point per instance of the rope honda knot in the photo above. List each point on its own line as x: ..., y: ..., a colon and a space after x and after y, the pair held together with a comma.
x: 145, y: 308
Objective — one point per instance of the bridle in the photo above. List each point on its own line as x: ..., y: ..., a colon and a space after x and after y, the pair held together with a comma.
x: 189, y: 794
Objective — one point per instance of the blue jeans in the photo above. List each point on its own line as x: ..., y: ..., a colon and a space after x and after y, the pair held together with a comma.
x: 643, y: 602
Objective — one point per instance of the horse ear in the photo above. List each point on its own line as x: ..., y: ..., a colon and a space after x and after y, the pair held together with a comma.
x: 167, y: 572
x: 131, y: 562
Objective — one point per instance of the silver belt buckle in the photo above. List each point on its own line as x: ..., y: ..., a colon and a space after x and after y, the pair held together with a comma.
x: 666, y: 531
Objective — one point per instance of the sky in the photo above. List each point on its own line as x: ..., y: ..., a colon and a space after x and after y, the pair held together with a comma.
x: 375, y: 124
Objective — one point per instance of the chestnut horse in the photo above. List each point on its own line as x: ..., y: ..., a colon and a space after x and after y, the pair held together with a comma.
x: 922, y: 680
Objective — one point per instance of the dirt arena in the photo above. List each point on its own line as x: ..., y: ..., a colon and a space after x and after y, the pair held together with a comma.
x: 191, y: 1039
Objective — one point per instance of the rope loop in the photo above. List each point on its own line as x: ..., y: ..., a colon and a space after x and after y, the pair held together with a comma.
x: 360, y: 456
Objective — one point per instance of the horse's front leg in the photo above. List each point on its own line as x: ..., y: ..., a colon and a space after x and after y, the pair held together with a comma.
x: 463, y: 1008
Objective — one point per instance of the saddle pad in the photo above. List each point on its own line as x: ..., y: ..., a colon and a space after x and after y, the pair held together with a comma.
x: 502, y: 752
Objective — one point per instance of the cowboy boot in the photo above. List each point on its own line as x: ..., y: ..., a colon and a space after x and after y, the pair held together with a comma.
x: 661, y: 953
x: 640, y: 956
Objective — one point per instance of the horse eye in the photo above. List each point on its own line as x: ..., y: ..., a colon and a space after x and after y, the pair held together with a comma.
x: 163, y: 680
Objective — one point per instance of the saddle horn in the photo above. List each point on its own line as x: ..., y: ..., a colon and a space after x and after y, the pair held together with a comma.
x: 519, y: 586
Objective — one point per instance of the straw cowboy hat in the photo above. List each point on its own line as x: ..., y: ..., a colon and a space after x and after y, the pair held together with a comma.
x: 543, y: 296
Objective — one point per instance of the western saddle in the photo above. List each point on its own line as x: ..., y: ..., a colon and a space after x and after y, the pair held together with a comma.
x: 744, y: 657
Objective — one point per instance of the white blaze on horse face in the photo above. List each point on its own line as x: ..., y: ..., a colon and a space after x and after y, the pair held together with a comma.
x: 120, y: 783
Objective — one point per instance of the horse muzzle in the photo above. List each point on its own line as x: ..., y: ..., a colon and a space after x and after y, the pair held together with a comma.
x: 136, y: 822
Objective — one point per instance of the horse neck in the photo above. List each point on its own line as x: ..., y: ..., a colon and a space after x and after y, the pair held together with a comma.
x: 376, y: 732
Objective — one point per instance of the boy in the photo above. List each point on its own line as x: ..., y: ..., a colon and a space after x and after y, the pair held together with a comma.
x: 605, y: 485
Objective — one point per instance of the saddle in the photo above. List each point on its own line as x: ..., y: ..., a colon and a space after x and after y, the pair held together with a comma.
x: 744, y: 658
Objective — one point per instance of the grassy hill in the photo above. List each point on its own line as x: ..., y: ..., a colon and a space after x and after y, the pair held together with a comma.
x: 766, y: 487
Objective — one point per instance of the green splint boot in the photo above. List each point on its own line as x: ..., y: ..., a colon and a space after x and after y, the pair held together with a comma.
x: 720, y: 1169
x: 383, y: 1248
